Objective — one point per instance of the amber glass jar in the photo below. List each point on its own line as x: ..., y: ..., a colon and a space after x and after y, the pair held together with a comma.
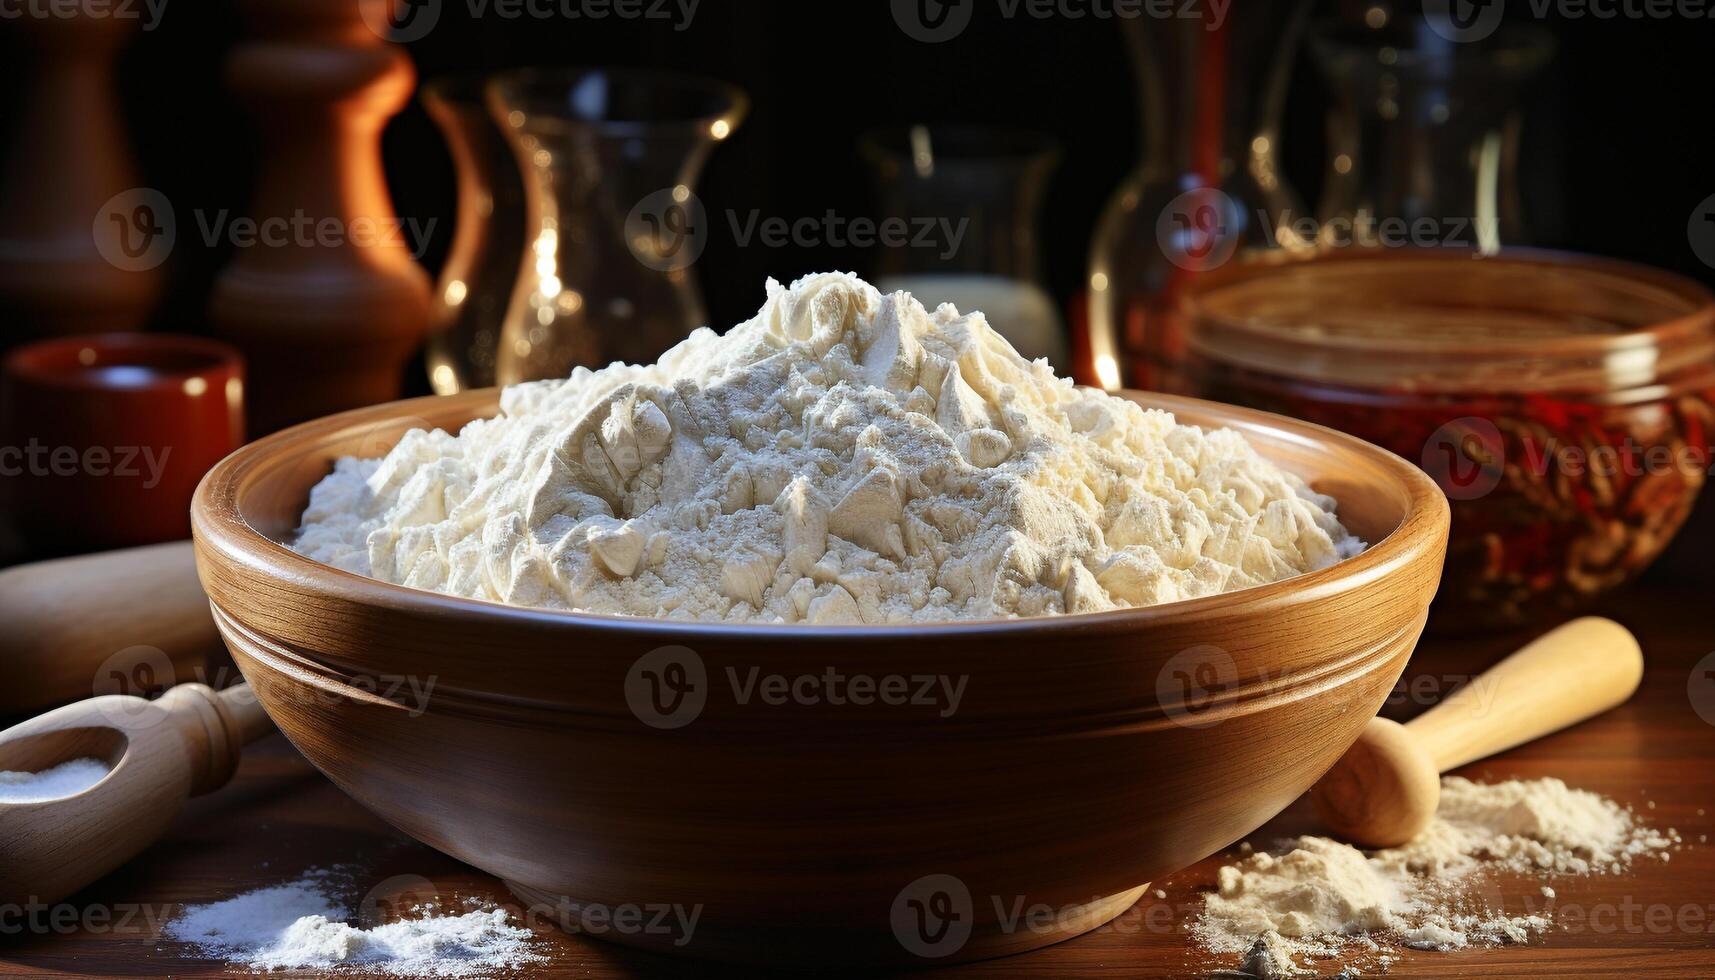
x: 1562, y: 402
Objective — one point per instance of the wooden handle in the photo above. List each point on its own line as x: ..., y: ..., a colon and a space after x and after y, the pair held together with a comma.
x: 160, y: 753
x: 1575, y: 672
x: 63, y: 619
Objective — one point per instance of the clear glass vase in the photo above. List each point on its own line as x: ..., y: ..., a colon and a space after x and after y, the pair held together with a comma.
x: 1208, y: 187
x: 977, y: 193
x: 1423, y: 134
x: 476, y: 282
x: 613, y: 226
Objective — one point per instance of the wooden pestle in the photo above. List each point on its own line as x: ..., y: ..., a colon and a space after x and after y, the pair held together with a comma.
x: 160, y: 753
x: 64, y: 618
x: 1384, y: 790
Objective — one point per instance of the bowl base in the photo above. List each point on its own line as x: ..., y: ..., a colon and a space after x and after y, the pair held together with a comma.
x: 783, y: 946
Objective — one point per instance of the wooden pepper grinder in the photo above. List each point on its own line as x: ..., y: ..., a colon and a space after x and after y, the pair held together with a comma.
x: 69, y: 164
x: 327, y: 321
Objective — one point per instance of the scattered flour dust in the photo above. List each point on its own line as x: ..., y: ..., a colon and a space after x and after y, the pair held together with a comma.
x: 844, y: 456
x: 66, y: 779
x: 1319, y: 899
x: 300, y: 925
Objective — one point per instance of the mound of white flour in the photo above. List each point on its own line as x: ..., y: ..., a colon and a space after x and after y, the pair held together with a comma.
x: 843, y: 457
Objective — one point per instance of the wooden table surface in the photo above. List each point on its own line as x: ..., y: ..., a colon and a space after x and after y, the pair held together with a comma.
x: 1656, y: 754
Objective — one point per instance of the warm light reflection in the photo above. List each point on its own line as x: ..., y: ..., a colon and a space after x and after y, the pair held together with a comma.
x: 456, y: 292
x: 196, y: 387
x: 1107, y: 371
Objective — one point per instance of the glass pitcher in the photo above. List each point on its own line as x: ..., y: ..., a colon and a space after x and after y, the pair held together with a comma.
x: 1210, y: 90
x: 983, y: 189
x: 476, y: 282
x: 1423, y: 134
x: 613, y: 226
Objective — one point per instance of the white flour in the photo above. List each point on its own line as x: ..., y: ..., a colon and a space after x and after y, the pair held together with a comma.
x: 66, y: 779
x: 300, y: 926
x: 1315, y: 898
x: 843, y: 457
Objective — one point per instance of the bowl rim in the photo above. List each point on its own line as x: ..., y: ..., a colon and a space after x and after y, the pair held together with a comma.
x: 218, y: 525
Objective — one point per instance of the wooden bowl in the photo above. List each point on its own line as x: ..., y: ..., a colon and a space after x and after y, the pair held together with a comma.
x: 614, y: 770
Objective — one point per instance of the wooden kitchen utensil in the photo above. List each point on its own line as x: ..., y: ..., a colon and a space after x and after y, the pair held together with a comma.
x: 327, y: 320
x: 160, y: 753
x: 66, y: 619
x: 1384, y: 790
x: 65, y: 181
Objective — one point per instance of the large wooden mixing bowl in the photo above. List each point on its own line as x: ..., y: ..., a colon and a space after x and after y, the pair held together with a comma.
x: 627, y: 775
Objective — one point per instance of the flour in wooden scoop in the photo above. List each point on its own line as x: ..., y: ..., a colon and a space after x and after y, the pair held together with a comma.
x: 843, y: 457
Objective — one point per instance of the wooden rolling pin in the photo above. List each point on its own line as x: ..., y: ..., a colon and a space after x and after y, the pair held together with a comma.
x: 64, y: 619
x: 160, y: 753
x: 1384, y: 790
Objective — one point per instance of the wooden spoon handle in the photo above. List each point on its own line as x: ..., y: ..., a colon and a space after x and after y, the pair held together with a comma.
x: 63, y: 618
x: 1572, y: 673
x: 160, y: 753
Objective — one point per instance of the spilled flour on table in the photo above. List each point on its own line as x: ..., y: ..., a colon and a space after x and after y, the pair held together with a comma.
x: 300, y: 925
x: 1315, y: 899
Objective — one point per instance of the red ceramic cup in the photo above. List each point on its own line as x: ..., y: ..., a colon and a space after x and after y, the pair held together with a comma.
x: 104, y: 438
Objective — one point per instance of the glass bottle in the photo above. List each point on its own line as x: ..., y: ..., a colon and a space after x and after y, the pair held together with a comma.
x: 982, y: 190
x: 1423, y: 133
x: 613, y: 225
x: 488, y: 243
x: 1208, y: 185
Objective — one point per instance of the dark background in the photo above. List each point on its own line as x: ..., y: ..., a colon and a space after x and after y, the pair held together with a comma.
x: 1615, y: 148
x: 1614, y: 159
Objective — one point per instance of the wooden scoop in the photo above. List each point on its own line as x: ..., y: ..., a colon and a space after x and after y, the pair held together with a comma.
x: 1384, y: 790
x: 159, y: 752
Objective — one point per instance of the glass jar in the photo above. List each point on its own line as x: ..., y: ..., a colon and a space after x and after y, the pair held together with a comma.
x: 1208, y: 187
x: 610, y: 161
x: 1423, y: 134
x: 1563, y: 403
x: 988, y: 185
